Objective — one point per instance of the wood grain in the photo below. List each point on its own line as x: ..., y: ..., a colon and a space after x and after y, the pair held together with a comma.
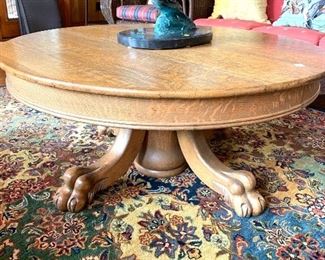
x: 242, y: 77
x: 89, y: 59
x: 160, y: 155
x: 238, y: 187
x: 164, y: 113
x: 81, y: 183
x: 94, y: 15
x: 2, y: 78
x: 72, y: 12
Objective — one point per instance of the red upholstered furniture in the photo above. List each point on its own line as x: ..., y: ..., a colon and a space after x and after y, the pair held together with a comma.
x: 234, y: 23
x: 131, y: 11
x: 126, y: 10
x: 274, y: 9
x: 293, y: 32
x: 273, y: 12
x: 322, y: 43
x: 138, y: 13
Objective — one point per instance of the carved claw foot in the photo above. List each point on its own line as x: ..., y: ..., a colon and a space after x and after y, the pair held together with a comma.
x: 248, y: 203
x: 63, y: 194
x: 73, y: 196
x: 81, y: 183
x: 238, y: 187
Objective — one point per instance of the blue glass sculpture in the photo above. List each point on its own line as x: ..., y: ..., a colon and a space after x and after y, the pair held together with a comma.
x: 173, y: 29
x: 172, y: 22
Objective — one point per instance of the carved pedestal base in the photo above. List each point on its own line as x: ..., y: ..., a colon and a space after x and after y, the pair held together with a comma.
x: 238, y: 187
x: 160, y: 154
x: 81, y: 183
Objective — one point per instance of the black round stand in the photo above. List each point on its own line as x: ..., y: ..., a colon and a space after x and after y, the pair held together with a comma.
x: 144, y: 38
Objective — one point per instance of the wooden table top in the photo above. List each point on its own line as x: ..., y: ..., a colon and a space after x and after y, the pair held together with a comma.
x: 89, y: 59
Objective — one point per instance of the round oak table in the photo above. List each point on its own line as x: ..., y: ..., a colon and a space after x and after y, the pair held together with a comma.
x: 162, y: 101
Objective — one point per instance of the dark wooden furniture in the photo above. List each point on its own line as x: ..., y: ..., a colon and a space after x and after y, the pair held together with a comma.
x: 9, y: 27
x: 72, y: 12
x: 200, y: 8
x: 80, y: 12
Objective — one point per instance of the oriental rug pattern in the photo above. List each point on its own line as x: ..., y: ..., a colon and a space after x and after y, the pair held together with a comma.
x: 146, y: 218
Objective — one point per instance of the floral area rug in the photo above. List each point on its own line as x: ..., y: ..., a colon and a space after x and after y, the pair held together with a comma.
x: 173, y: 218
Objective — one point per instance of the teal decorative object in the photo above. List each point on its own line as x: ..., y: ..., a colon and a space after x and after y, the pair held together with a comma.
x: 173, y: 29
x: 172, y: 22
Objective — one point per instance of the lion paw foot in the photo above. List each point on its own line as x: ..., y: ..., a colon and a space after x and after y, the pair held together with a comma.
x: 248, y: 204
x: 77, y: 201
x: 61, y: 198
x: 73, y: 195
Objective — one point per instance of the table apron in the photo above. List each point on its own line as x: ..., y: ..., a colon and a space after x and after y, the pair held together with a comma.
x: 164, y: 113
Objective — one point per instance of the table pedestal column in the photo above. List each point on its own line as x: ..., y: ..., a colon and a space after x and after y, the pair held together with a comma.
x: 160, y: 154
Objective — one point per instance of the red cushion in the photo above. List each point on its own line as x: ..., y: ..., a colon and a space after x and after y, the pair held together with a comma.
x: 322, y: 45
x: 273, y: 10
x: 139, y: 13
x: 293, y: 32
x: 234, y: 23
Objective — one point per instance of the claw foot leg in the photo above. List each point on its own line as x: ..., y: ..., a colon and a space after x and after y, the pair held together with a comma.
x: 2, y: 78
x: 81, y: 183
x: 238, y: 187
